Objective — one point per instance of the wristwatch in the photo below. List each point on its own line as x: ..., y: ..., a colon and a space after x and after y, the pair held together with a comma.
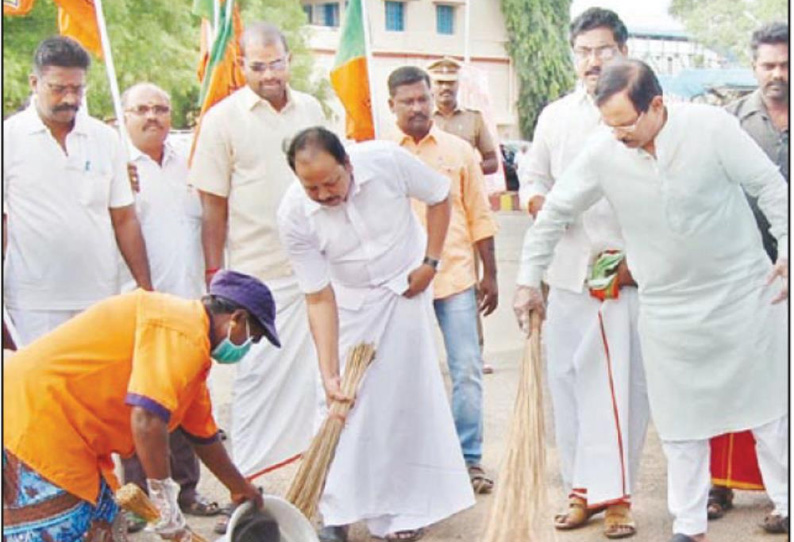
x: 432, y: 262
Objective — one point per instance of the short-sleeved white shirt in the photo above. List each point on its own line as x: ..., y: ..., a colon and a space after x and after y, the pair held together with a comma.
x: 170, y: 215
x: 373, y: 239
x: 62, y: 252
x: 241, y: 155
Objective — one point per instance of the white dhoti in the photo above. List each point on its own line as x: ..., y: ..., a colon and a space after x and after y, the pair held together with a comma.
x: 29, y: 325
x: 277, y: 394
x: 398, y: 465
x: 598, y: 392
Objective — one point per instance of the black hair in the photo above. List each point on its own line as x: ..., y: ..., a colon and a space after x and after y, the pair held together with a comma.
x: 769, y: 34
x: 599, y: 18
x: 220, y: 305
x: 62, y: 52
x: 263, y: 32
x: 320, y: 138
x: 406, y: 75
x: 632, y: 75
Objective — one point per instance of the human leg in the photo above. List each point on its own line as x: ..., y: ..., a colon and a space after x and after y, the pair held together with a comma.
x: 772, y: 448
x: 688, y: 482
x: 456, y: 316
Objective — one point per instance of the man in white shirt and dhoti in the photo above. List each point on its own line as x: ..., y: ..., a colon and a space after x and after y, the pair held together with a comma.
x: 365, y: 263
x: 713, y: 314
x: 596, y: 381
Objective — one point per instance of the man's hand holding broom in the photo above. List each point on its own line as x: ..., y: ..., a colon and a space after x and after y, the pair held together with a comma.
x: 526, y: 300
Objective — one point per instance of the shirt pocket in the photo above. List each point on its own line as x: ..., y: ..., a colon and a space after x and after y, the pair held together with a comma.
x: 95, y: 190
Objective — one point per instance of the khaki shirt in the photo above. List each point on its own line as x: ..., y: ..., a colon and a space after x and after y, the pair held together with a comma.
x: 471, y: 219
x: 241, y: 155
x: 469, y: 125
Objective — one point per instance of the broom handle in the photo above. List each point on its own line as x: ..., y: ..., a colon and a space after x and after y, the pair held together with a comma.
x: 535, y: 322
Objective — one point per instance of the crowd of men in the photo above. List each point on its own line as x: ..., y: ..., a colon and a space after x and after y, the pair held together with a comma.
x: 661, y: 231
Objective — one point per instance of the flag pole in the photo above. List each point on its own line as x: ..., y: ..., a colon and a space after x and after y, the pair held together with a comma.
x: 368, y: 55
x: 111, y: 71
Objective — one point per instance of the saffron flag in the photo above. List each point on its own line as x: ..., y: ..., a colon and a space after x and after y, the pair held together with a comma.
x: 219, y: 68
x: 350, y: 78
x: 77, y: 20
x: 17, y: 7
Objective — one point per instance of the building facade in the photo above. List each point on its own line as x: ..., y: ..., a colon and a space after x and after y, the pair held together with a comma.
x: 417, y: 32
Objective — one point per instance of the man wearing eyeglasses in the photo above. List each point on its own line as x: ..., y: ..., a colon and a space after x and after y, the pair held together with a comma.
x: 68, y: 206
x: 241, y: 172
x: 594, y: 361
x: 714, y: 318
x: 170, y: 216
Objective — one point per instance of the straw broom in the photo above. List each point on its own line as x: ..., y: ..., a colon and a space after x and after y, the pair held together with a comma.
x: 309, y: 481
x: 132, y: 498
x: 518, y: 512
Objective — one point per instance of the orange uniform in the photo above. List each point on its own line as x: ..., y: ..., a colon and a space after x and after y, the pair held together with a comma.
x: 67, y: 397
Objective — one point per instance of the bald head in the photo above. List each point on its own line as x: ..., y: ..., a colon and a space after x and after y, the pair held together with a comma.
x: 132, y: 93
x: 262, y: 33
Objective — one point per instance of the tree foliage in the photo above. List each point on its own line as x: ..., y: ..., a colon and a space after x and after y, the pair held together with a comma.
x: 150, y: 41
x: 537, y: 43
x: 726, y: 25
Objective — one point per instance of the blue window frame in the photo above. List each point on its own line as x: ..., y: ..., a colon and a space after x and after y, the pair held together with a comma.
x: 331, y: 14
x: 445, y: 19
x: 395, y: 16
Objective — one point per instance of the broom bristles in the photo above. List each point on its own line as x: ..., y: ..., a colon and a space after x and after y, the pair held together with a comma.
x: 132, y: 498
x: 309, y: 481
x: 518, y: 511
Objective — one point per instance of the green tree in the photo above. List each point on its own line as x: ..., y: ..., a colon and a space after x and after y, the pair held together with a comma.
x: 151, y: 41
x: 726, y: 25
x: 537, y: 43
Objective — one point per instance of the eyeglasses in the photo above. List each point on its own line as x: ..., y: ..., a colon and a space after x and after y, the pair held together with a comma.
x: 602, y: 53
x: 280, y: 64
x: 143, y: 110
x: 627, y: 128
x: 62, y: 90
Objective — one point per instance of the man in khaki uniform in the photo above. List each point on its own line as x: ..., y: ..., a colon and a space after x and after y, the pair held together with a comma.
x: 462, y: 122
x: 467, y: 124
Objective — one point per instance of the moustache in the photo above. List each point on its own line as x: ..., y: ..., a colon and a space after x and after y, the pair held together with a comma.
x: 65, y: 107
x: 593, y: 71
x: 418, y: 116
x: 152, y: 123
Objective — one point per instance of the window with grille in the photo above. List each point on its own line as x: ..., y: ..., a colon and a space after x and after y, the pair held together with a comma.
x: 445, y: 19
x: 395, y: 16
x: 331, y: 14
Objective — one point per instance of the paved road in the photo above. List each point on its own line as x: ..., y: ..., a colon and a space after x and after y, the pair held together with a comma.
x: 503, y: 350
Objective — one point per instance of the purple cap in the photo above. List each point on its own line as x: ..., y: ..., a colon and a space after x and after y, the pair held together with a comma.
x: 251, y: 294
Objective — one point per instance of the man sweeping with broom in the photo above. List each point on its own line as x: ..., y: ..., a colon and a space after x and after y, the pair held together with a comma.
x: 116, y: 379
x: 365, y: 263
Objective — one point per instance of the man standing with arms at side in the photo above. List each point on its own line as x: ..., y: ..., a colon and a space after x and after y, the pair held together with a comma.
x: 599, y: 456
x: 456, y: 303
x: 170, y: 216
x: 764, y: 115
x: 241, y: 172
x: 67, y: 196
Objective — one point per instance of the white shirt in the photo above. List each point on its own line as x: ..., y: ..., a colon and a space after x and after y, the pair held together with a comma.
x: 563, y: 129
x: 241, y: 155
x: 170, y: 215
x: 711, y: 338
x: 61, y: 245
x: 373, y: 239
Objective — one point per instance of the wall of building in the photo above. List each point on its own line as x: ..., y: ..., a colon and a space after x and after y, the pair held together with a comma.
x: 419, y: 44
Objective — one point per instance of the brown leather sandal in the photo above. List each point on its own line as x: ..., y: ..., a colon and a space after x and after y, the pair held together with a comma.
x: 576, y: 516
x: 720, y: 501
x: 618, y: 522
x: 775, y: 524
